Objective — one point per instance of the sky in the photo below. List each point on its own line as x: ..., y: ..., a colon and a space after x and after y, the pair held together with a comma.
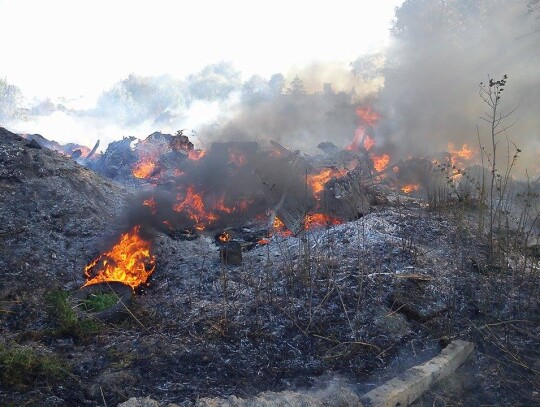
x: 73, y: 48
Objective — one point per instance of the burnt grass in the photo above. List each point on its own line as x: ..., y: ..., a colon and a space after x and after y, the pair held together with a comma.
x: 360, y: 301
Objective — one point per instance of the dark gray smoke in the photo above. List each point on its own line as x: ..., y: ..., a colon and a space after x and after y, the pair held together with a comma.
x: 440, y: 53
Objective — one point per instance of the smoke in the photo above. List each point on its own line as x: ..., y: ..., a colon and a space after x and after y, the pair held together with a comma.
x: 440, y: 53
x: 309, y: 106
x: 137, y: 105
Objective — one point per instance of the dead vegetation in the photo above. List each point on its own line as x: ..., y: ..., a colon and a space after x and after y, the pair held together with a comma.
x: 348, y: 300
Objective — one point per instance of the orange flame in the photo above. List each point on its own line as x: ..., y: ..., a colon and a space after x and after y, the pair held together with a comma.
x: 280, y: 229
x: 193, y: 206
x: 224, y: 237
x: 380, y: 162
x: 151, y: 203
x: 460, y: 156
x: 410, y: 188
x: 368, y: 118
x: 320, y: 219
x: 144, y: 168
x: 368, y: 142
x: 237, y: 157
x: 319, y: 180
x: 128, y: 262
x: 196, y: 154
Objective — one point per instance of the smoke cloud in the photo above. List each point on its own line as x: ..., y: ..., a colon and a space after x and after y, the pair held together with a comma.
x: 440, y: 53
x: 424, y: 86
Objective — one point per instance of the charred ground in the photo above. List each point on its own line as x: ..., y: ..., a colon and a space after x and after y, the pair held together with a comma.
x: 349, y: 300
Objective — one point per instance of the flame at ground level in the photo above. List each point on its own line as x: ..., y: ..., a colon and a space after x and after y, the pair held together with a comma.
x: 318, y: 181
x: 380, y: 162
x: 144, y: 169
x: 128, y: 262
x: 408, y: 188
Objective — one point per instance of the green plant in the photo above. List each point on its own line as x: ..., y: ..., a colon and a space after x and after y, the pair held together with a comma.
x: 67, y: 321
x: 99, y: 302
x: 22, y: 365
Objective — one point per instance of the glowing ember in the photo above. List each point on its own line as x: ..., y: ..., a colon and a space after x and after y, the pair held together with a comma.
x: 263, y: 241
x: 320, y: 219
x: 128, y: 262
x: 144, y: 169
x: 410, y: 188
x: 380, y: 162
x: 318, y: 181
x: 196, y: 154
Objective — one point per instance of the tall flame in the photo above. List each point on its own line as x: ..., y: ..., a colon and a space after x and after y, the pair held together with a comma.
x: 128, y: 262
x: 368, y: 118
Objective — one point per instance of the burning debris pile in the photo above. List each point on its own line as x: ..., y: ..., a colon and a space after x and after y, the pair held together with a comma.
x: 266, y: 269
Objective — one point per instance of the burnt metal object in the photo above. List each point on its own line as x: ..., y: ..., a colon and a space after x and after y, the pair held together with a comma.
x: 231, y: 253
x: 112, y: 314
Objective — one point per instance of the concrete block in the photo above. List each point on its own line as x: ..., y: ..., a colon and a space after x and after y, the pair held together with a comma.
x: 409, y: 386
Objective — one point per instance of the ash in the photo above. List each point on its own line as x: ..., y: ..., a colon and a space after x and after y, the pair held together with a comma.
x: 356, y: 301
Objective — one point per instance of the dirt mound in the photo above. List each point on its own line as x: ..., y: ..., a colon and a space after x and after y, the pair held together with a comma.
x: 52, y: 210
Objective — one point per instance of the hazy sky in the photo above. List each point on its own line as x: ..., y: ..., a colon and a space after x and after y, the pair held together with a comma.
x: 70, y: 48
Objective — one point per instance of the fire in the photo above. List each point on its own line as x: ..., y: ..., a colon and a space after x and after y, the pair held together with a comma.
x: 368, y: 118
x: 464, y: 154
x: 410, y: 188
x: 320, y: 219
x: 240, y: 206
x: 380, y: 162
x: 128, y: 262
x: 151, y: 203
x: 359, y: 134
x: 368, y: 142
x: 280, y: 229
x: 459, y: 158
x: 193, y: 206
x: 224, y: 237
x: 144, y: 169
x: 196, y: 154
x: 318, y: 181
x: 237, y: 157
